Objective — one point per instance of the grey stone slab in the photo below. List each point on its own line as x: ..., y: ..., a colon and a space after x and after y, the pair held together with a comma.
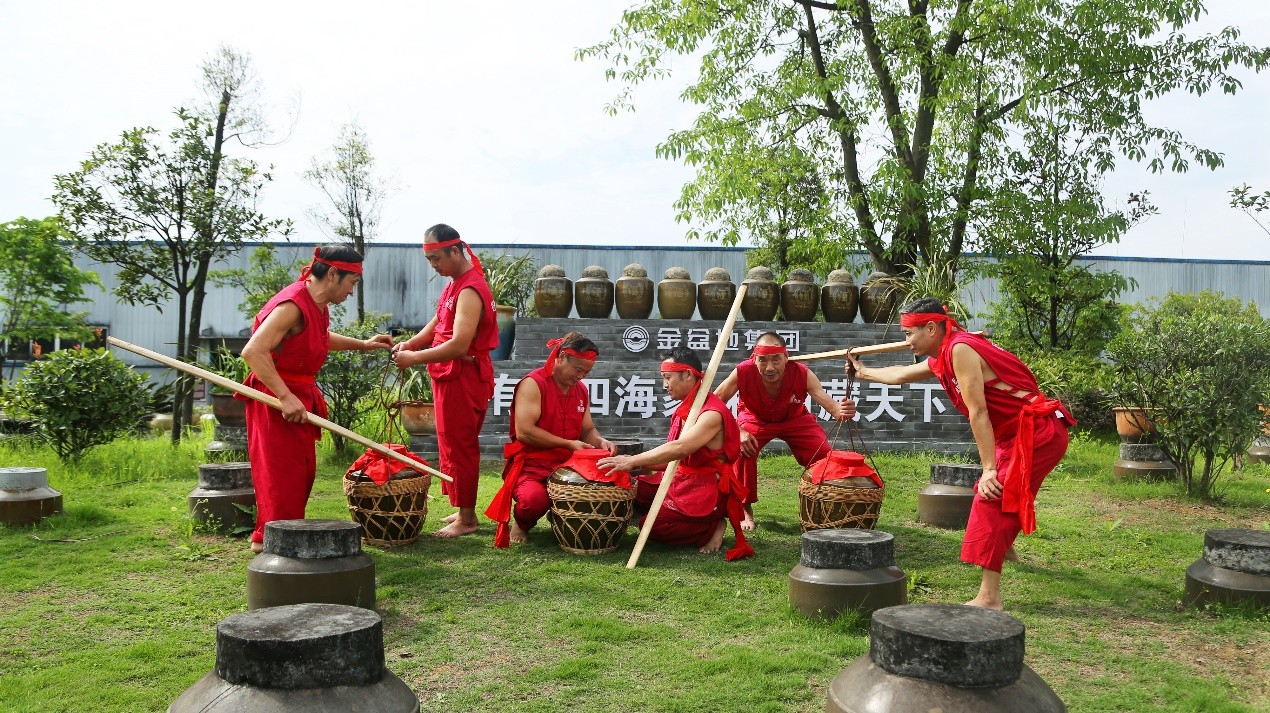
x: 961, y: 646
x: 313, y: 539
x: 1242, y: 550
x: 23, y: 478
x: 852, y: 549
x: 301, y: 646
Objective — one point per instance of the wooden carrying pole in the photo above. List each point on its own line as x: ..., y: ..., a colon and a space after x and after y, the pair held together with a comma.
x: 856, y: 351
x: 707, y: 381
x: 273, y: 401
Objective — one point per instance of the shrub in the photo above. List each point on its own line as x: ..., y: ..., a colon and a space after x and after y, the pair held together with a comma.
x: 79, y: 398
x: 1201, y: 363
x: 350, y: 379
x: 1081, y: 382
x: 511, y: 280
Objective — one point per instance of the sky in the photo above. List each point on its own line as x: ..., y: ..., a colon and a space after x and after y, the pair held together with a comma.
x: 480, y: 117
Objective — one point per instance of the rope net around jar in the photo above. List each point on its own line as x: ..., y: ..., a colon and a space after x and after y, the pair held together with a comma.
x: 589, y: 519
x: 827, y: 505
x: 391, y: 514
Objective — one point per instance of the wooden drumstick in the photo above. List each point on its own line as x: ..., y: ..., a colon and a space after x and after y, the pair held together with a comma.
x: 274, y: 402
x: 703, y: 390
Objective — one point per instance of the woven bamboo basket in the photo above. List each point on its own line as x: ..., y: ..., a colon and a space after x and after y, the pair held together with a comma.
x: 588, y: 518
x: 391, y: 514
x: 833, y: 504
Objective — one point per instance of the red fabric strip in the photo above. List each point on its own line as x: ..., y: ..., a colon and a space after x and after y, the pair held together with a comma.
x: 842, y: 464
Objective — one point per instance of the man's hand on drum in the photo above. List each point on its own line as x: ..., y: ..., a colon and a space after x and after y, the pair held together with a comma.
x: 749, y: 444
x: 616, y: 463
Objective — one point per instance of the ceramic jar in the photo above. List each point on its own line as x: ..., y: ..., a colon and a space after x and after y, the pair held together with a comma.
x: 593, y: 293
x: 879, y: 298
x: 553, y: 292
x: 799, y: 296
x: 762, y: 296
x: 676, y: 295
x: 715, y: 294
x: 839, y: 297
x: 634, y: 293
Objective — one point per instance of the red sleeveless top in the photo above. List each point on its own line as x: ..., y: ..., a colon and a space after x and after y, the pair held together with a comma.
x: 304, y: 353
x: 789, y: 402
x: 486, y: 337
x: 562, y: 413
x: 706, y: 456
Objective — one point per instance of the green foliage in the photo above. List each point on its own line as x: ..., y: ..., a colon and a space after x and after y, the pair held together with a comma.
x: 1082, y: 382
x: 78, y: 399
x: 264, y: 277
x: 352, y: 381
x: 413, y: 384
x: 1071, y: 308
x: 510, y: 278
x: 1251, y: 204
x: 38, y: 281
x: 1201, y: 363
x: 886, y: 125
x: 224, y: 362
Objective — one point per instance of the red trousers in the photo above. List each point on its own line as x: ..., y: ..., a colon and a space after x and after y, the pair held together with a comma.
x: 676, y: 528
x: 283, y: 465
x: 991, y: 532
x: 804, y: 436
x: 530, y: 493
x: 460, y: 412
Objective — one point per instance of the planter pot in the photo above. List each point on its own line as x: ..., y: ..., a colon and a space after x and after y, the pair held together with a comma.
x: 593, y: 293
x: 418, y: 419
x: 161, y: 423
x: 715, y: 294
x: 1133, y: 424
x: 677, y: 295
x: 762, y: 296
x: 553, y: 292
x: 506, y: 319
x: 634, y: 293
x: 800, y: 298
x: 878, y: 299
x: 228, y: 410
x: 839, y: 298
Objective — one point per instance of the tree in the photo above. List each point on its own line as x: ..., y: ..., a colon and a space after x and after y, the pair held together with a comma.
x: 1242, y: 198
x: 903, y: 106
x: 38, y: 281
x: 264, y: 277
x: 164, y: 212
x: 354, y: 194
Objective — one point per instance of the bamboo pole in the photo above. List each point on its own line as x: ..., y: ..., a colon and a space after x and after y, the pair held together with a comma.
x: 856, y: 351
x: 274, y: 402
x: 703, y: 390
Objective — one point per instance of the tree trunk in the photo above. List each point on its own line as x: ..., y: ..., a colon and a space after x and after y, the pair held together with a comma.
x: 184, y: 382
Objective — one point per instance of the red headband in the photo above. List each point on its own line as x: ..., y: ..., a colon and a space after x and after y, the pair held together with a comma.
x: 669, y: 365
x: 353, y: 267
x: 919, y: 319
x: 765, y: 349
x: 441, y: 244
x: 587, y: 355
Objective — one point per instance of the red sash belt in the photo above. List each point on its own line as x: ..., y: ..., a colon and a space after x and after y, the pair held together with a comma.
x: 516, y: 454
x: 733, y: 489
x: 1016, y: 482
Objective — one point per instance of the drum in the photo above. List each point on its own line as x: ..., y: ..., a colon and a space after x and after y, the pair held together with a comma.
x: 391, y: 514
x: 588, y: 518
x: 841, y: 502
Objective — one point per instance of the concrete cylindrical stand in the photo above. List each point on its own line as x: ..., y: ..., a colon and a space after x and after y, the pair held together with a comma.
x: 25, y: 496
x: 1143, y: 460
x: 842, y: 569
x: 224, y: 498
x: 311, y: 657
x: 229, y: 443
x: 946, y: 501
x: 942, y: 657
x: 311, y: 561
x: 1259, y: 451
x: 1235, y: 569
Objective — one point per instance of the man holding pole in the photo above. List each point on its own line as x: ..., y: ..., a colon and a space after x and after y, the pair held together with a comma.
x: 550, y: 419
x: 289, y: 342
x: 455, y: 345
x: 774, y: 392
x: 705, y: 487
x: 1021, y: 435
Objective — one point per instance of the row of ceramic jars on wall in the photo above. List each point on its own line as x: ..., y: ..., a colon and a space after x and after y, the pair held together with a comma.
x: 678, y: 297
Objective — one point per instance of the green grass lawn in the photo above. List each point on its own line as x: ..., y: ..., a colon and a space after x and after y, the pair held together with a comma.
x: 113, y: 605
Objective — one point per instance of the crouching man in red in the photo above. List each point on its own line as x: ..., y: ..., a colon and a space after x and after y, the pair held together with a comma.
x: 705, y: 487
x: 550, y: 419
x: 1021, y: 435
x: 289, y: 343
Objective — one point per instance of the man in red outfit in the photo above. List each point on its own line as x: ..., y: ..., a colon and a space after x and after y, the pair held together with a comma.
x: 774, y: 392
x: 289, y: 343
x: 455, y: 344
x: 1021, y: 435
x: 551, y: 418
x: 705, y: 487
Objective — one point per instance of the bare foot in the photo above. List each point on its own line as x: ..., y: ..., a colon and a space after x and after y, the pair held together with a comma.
x: 716, y: 540
x: 747, y: 522
x: 458, y: 528
x: 450, y: 518
x: 995, y: 605
x: 257, y: 547
x: 518, y: 535
x: 1011, y: 555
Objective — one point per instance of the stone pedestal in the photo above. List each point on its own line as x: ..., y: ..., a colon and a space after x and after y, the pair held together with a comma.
x: 843, y: 569
x: 229, y: 444
x: 426, y: 447
x: 1235, y: 569
x: 1143, y: 460
x: 25, y: 496
x: 224, y: 499
x: 946, y: 501
x: 311, y: 561
x: 942, y: 657
x: 1259, y: 451
x: 321, y: 658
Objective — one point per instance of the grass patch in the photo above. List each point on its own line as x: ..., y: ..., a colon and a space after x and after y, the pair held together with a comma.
x: 112, y: 606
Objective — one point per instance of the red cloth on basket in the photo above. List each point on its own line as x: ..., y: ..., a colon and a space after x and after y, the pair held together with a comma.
x: 843, y: 464
x: 379, y: 467
x: 584, y: 463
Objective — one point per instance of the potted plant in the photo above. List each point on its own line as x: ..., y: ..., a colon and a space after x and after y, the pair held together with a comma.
x: 228, y: 410
x: 511, y: 280
x: 415, y: 402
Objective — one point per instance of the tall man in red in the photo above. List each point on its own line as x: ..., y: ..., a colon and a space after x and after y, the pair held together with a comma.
x: 773, y: 405
x: 551, y: 418
x: 1021, y: 435
x: 705, y: 487
x: 289, y: 343
x: 455, y: 344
